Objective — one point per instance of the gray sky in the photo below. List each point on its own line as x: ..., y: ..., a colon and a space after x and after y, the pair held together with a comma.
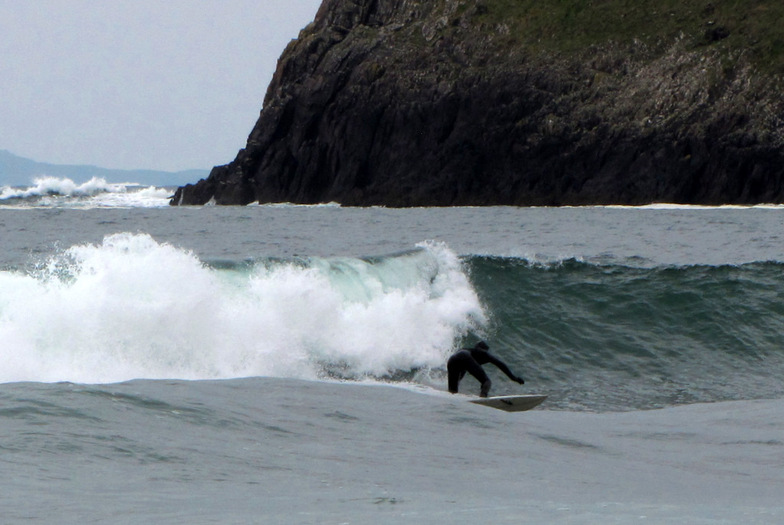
x: 147, y: 84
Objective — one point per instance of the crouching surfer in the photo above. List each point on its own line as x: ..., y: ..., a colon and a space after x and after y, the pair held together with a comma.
x: 471, y: 360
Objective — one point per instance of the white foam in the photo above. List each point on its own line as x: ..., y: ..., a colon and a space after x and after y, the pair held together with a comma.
x: 673, y: 206
x: 96, y: 192
x: 131, y: 197
x: 47, y: 185
x: 135, y: 308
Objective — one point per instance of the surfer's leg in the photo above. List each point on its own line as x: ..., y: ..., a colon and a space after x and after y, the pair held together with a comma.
x: 476, y: 370
x: 455, y: 373
x: 485, y: 388
x: 454, y: 380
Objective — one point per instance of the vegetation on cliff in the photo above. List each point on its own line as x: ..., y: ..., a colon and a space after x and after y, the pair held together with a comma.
x: 547, y: 102
x: 574, y: 26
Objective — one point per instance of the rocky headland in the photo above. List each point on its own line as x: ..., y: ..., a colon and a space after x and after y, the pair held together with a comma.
x: 518, y: 102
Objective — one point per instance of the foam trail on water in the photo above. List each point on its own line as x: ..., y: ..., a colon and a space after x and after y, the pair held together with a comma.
x: 135, y: 308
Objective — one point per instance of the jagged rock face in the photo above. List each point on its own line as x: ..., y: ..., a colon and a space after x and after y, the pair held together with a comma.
x: 422, y: 103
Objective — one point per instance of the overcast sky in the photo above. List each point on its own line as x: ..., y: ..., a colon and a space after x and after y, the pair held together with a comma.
x: 147, y: 84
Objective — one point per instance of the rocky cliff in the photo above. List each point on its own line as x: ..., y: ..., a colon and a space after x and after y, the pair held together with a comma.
x: 552, y: 102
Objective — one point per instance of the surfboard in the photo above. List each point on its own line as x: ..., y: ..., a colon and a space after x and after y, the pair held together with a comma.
x: 511, y: 403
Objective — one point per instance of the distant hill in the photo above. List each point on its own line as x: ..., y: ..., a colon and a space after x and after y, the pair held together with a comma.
x: 519, y: 102
x: 18, y: 171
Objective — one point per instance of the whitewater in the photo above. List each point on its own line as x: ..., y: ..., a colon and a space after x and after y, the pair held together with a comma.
x: 62, y: 192
x: 270, y: 364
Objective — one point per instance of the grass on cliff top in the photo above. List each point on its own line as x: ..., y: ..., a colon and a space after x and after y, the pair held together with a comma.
x: 755, y: 27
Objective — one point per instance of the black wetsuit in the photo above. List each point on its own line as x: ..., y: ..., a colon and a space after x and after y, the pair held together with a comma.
x: 471, y: 360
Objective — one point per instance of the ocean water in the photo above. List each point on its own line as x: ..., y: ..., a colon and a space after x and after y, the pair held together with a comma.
x: 286, y: 364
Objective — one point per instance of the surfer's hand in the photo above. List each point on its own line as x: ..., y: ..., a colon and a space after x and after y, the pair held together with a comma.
x: 520, y: 380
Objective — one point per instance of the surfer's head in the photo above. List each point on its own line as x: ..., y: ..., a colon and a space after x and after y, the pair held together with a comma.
x: 481, y: 345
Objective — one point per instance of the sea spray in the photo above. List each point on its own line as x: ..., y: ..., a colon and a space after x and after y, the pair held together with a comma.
x: 48, y: 191
x: 368, y: 316
x: 48, y: 185
x: 131, y: 307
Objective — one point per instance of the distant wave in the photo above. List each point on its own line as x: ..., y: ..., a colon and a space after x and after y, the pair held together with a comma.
x: 60, y: 186
x: 49, y: 191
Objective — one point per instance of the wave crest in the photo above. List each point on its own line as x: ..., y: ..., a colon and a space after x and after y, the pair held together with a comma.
x: 54, y: 191
x: 135, y: 308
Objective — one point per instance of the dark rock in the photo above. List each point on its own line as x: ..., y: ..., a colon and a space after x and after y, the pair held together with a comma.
x: 414, y: 103
x: 714, y: 34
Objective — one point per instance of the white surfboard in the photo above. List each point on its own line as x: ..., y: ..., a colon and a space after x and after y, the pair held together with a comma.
x: 511, y: 403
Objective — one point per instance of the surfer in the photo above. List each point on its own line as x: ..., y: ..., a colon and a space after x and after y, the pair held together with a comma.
x: 471, y: 360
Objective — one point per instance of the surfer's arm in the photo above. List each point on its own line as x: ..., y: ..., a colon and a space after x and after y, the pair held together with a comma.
x: 505, y: 369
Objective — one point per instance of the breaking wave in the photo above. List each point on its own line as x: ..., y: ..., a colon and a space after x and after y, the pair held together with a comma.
x: 49, y: 191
